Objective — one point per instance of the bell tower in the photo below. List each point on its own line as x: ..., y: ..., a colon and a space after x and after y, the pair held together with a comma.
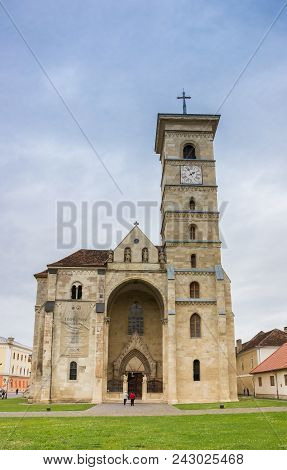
x: 189, y: 192
x: 200, y: 318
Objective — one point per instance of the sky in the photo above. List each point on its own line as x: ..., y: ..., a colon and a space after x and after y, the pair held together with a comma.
x: 82, y: 82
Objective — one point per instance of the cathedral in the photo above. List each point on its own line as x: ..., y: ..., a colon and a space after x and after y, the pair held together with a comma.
x: 155, y: 320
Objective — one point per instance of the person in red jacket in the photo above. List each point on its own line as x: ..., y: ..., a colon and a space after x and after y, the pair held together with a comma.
x: 132, y: 398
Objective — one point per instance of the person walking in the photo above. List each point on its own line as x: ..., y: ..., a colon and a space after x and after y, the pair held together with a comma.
x: 17, y: 391
x: 132, y: 398
x: 126, y: 397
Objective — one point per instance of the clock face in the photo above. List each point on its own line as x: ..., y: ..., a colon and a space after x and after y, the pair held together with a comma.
x: 191, y: 174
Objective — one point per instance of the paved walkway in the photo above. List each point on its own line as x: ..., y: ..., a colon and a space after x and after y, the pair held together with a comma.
x: 140, y: 409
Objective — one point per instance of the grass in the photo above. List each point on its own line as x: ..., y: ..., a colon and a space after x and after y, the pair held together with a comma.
x: 249, y: 402
x: 240, y: 431
x: 20, y: 404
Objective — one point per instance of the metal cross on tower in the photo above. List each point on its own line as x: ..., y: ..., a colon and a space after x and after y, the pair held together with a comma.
x: 183, y: 98
x: 136, y: 223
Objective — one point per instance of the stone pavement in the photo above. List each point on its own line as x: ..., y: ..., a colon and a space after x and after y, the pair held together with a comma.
x: 140, y: 409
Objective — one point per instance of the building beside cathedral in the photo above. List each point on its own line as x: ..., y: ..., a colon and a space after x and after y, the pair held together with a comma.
x: 153, y: 319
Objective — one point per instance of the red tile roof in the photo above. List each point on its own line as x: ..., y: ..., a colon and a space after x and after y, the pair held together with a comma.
x: 274, y: 337
x: 85, y: 258
x: 277, y: 361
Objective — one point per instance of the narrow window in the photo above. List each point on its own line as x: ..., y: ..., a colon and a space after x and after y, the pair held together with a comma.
x: 242, y: 366
x: 189, y: 152
x: 14, y: 356
x: 74, y: 292
x: 79, y: 295
x: 260, y: 381
x: 73, y: 370
x: 193, y: 261
x: 192, y: 204
x: 194, y: 290
x: 192, y: 230
x: 127, y: 255
x: 13, y: 370
x: 195, y: 326
x: 196, y: 370
x: 136, y: 319
x: 285, y: 379
x: 145, y: 255
x: 272, y: 380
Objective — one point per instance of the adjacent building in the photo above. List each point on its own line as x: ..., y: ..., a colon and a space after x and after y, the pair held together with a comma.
x: 15, y: 365
x: 270, y: 377
x: 252, y: 353
x: 156, y: 320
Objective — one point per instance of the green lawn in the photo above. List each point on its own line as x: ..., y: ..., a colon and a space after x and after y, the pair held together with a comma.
x: 20, y: 404
x: 240, y: 431
x: 242, y: 403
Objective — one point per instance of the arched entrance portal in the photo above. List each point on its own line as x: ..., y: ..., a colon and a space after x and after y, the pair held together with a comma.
x: 135, y: 309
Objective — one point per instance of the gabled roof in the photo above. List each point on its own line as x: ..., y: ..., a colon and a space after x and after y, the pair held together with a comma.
x: 277, y: 361
x: 274, y: 337
x: 85, y: 258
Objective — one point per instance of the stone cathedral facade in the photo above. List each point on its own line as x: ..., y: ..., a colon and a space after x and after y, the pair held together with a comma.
x: 153, y: 319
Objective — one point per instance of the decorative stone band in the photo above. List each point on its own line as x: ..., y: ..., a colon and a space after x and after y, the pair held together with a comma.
x: 164, y: 321
x: 193, y: 241
x: 190, y: 160
x: 195, y: 301
x: 196, y: 271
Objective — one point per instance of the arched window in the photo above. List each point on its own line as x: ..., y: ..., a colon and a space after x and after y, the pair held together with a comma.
x: 196, y: 370
x: 127, y: 255
x: 189, y: 152
x: 73, y: 370
x: 80, y: 290
x: 195, y: 326
x: 136, y: 319
x: 194, y: 290
x: 145, y: 255
x: 192, y: 204
x: 192, y: 229
x: 193, y: 260
x: 77, y: 291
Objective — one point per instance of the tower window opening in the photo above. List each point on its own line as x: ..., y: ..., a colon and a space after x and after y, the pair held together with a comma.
x: 194, y: 290
x: 189, y: 152
x: 192, y: 204
x: 193, y: 260
x: 195, y: 326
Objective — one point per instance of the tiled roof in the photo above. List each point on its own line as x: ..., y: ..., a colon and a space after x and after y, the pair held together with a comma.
x: 78, y: 259
x: 83, y: 258
x: 277, y: 360
x: 271, y: 338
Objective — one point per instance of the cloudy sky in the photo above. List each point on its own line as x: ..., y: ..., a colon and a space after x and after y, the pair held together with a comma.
x: 115, y: 65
